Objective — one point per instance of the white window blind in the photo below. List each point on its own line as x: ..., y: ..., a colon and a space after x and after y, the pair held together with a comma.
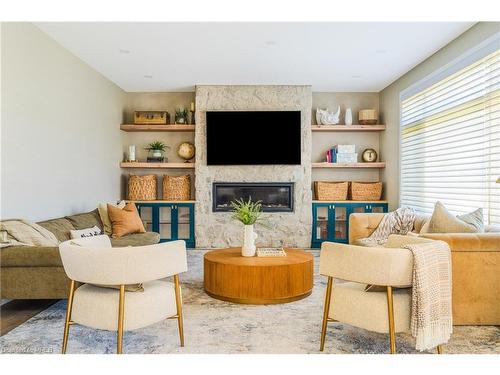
x: 450, y: 141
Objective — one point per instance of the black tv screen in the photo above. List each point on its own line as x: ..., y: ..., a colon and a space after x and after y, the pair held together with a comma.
x: 253, y: 137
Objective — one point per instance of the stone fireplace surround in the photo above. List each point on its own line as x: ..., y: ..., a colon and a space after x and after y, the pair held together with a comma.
x: 219, y: 229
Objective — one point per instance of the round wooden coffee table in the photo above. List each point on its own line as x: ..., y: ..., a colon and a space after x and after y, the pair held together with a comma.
x: 258, y: 280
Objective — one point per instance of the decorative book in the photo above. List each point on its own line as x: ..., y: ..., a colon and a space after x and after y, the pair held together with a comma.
x: 271, y: 252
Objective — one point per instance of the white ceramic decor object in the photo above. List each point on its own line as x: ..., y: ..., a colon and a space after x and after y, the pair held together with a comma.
x: 328, y: 118
x: 249, y: 236
x: 131, y: 153
x: 348, y: 116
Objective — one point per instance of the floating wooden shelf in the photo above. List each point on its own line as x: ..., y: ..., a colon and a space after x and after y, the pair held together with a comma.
x: 124, y: 164
x: 157, y: 128
x: 347, y: 128
x: 354, y: 165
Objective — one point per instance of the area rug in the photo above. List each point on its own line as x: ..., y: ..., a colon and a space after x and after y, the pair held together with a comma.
x: 213, y: 326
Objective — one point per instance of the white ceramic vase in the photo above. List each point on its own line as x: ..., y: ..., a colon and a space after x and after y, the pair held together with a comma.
x: 249, y: 236
x: 348, y: 116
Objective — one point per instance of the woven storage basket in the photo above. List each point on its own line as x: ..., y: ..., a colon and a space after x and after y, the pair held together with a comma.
x: 142, y: 188
x: 331, y: 191
x: 177, y: 188
x: 366, y: 191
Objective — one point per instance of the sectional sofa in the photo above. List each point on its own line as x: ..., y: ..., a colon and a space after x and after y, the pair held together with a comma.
x: 32, y: 272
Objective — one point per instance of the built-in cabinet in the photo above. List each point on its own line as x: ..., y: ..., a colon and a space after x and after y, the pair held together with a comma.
x: 172, y: 220
x: 331, y: 219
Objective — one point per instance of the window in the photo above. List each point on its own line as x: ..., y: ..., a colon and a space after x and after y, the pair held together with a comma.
x: 450, y: 138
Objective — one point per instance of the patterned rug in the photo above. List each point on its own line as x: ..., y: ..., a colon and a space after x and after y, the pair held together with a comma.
x: 213, y: 326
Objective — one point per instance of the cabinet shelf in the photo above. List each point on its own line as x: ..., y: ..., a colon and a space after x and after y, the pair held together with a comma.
x: 157, y: 128
x: 125, y: 164
x: 347, y: 128
x: 353, y: 165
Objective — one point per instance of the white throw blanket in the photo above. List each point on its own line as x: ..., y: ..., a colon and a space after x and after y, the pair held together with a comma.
x: 431, y: 313
x: 396, y: 222
x: 22, y: 232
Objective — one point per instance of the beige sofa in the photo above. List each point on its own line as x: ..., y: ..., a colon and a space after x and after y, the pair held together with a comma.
x: 33, y: 272
x: 475, y: 266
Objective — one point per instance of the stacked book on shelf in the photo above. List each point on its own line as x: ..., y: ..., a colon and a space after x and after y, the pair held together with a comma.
x: 342, y: 154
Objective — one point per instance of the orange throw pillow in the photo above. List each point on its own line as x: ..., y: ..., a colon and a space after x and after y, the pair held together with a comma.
x: 125, y: 220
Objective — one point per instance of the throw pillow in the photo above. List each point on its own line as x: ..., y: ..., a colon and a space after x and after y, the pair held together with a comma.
x: 103, y: 213
x: 83, y: 233
x: 125, y: 221
x: 474, y: 218
x: 443, y: 221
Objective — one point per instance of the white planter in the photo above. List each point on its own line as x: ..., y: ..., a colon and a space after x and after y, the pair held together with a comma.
x: 249, y: 236
x: 348, y: 116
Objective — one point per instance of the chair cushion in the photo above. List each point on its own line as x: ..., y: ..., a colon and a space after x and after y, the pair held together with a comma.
x: 60, y: 227
x: 136, y: 239
x: 350, y: 304
x: 97, y: 307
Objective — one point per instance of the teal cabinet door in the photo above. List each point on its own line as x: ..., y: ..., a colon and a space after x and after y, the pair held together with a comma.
x: 331, y: 220
x: 172, y: 221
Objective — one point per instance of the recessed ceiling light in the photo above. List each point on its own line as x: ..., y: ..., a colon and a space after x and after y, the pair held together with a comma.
x: 381, y: 51
x: 270, y: 43
x: 148, y: 76
x: 125, y: 51
x: 355, y: 76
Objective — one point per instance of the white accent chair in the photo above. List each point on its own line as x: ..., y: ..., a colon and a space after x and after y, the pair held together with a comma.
x: 386, y: 311
x: 92, y: 261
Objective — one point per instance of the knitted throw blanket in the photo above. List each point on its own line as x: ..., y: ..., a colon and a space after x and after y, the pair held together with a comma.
x: 396, y: 222
x: 431, y: 315
x: 22, y: 232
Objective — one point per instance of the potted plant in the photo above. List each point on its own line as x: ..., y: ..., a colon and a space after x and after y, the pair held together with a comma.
x: 157, y: 148
x: 249, y: 213
x: 181, y: 115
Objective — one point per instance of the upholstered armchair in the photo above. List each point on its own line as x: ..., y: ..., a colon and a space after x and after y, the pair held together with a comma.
x: 93, y: 262
x: 353, y: 267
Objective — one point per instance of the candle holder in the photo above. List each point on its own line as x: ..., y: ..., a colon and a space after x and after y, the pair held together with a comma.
x: 193, y: 121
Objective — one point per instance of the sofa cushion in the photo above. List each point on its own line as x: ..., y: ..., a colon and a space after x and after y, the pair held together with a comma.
x: 60, y: 227
x: 86, y: 220
x: 136, y: 239
x: 443, y: 221
x: 30, y: 256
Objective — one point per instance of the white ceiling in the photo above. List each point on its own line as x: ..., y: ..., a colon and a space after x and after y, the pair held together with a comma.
x: 350, y: 56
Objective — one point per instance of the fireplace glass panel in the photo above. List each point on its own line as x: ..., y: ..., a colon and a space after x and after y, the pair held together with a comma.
x: 275, y: 197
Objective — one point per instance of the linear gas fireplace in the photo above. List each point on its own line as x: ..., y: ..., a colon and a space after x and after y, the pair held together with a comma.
x: 275, y: 196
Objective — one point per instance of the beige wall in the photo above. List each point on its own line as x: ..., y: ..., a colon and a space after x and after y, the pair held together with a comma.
x: 321, y: 142
x: 167, y: 101
x: 389, y: 100
x: 61, y: 142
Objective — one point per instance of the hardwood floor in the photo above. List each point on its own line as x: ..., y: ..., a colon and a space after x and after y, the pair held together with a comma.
x: 16, y: 312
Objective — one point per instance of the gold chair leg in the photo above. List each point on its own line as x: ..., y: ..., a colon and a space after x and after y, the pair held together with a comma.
x: 68, y: 316
x: 390, y: 308
x: 439, y: 349
x: 178, y: 302
x: 326, y: 312
x: 121, y: 316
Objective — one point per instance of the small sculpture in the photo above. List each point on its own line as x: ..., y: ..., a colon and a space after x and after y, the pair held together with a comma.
x: 324, y: 117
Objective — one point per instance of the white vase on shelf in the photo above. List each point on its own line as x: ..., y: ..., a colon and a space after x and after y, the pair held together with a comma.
x: 348, y: 116
x: 249, y: 236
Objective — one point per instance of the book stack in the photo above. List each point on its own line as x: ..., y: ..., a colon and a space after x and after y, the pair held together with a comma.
x: 342, y: 154
x: 271, y: 252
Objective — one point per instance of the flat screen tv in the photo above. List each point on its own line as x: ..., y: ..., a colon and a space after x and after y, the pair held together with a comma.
x: 253, y: 137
